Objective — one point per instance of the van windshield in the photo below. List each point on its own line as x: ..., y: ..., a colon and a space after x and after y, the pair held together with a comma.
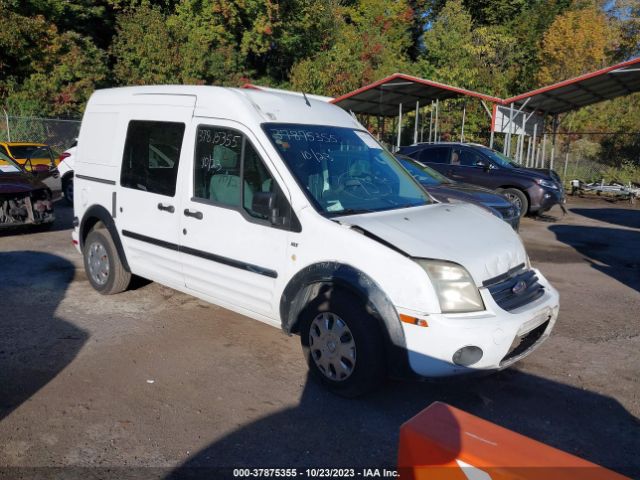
x: 344, y: 171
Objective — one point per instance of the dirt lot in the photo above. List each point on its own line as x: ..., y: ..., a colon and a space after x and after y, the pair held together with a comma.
x: 156, y: 378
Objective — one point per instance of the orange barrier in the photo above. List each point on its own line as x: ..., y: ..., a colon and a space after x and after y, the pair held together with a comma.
x: 444, y: 443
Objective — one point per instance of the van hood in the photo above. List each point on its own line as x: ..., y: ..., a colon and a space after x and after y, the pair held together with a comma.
x: 462, y: 233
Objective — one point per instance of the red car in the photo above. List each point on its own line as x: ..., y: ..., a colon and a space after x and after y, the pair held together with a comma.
x: 24, y: 199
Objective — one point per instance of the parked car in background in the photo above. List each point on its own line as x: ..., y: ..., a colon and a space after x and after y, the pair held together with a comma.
x: 66, y: 163
x: 30, y: 155
x: 534, y: 191
x: 24, y: 199
x: 446, y: 190
x: 313, y: 228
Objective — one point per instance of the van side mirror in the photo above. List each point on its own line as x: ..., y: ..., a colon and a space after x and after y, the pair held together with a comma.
x: 264, y: 203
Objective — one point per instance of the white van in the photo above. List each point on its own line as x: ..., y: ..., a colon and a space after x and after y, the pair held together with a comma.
x: 284, y: 209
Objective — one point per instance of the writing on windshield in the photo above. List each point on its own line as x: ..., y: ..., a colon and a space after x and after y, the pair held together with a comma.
x: 344, y: 170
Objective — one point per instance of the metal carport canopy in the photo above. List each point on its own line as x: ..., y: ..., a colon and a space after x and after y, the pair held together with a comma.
x: 383, y: 97
x: 605, y: 84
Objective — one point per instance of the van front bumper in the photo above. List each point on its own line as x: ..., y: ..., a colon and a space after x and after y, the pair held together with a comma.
x: 502, y: 337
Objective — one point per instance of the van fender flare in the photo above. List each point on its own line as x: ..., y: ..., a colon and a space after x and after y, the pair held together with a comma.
x: 95, y: 214
x: 306, y: 284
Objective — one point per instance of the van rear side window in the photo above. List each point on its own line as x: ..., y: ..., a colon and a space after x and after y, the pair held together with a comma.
x: 151, y: 156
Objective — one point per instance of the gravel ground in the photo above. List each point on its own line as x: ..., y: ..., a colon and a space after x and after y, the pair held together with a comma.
x: 152, y: 382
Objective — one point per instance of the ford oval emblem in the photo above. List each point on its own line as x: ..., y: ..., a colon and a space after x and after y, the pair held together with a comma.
x: 519, y: 287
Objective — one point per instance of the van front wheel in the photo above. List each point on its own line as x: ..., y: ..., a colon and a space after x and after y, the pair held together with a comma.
x: 102, y: 264
x: 342, y: 343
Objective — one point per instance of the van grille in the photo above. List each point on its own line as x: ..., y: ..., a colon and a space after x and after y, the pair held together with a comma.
x: 515, y: 288
x: 522, y: 344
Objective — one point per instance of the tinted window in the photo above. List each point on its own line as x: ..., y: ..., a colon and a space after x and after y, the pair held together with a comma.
x: 228, y: 168
x: 151, y: 156
x: 26, y: 150
x: 435, y: 155
x: 465, y: 157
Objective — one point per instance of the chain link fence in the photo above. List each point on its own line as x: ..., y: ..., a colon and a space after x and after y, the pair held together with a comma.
x: 59, y: 134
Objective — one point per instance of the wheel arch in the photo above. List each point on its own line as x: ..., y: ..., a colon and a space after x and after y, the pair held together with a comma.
x: 98, y: 214
x: 305, y: 285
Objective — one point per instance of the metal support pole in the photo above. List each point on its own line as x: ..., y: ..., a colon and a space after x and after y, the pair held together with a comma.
x: 6, y: 117
x: 553, y: 141
x: 566, y: 164
x: 533, y: 153
x: 544, y: 150
x: 522, y: 134
x: 435, y: 126
x: 507, y: 142
x: 415, y: 127
x: 431, y: 121
x: 399, y: 126
x: 464, y: 115
x: 528, y: 158
x: 493, y: 127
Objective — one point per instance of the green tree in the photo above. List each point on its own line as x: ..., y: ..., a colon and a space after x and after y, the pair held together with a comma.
x: 61, y: 85
x: 372, y: 40
x: 578, y: 41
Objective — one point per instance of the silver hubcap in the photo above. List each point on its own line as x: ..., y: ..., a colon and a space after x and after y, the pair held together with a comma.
x: 98, y: 262
x: 332, y: 346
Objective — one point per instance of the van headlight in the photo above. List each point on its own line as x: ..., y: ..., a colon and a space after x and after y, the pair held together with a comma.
x: 454, y: 286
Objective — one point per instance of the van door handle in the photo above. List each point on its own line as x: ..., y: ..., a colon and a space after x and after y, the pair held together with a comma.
x: 189, y: 213
x: 166, y: 208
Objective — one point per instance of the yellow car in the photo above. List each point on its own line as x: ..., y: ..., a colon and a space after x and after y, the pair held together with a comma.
x: 30, y: 156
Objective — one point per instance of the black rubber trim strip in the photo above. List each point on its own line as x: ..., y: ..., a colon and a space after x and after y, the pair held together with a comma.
x: 151, y: 240
x: 96, y: 179
x: 206, y: 255
x: 376, y: 238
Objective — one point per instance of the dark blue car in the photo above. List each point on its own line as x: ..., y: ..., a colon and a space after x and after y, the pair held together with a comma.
x: 444, y: 190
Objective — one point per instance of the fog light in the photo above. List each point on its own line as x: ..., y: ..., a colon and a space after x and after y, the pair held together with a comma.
x: 467, y: 356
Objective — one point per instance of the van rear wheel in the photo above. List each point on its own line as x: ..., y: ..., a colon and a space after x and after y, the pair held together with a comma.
x: 102, y: 264
x: 342, y: 343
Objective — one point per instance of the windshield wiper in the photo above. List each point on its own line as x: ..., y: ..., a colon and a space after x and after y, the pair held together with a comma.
x: 350, y: 211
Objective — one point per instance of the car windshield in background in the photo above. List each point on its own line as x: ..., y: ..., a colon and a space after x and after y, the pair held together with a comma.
x: 344, y: 171
x: 425, y: 175
x: 499, y: 158
x: 7, y: 165
x: 24, y: 151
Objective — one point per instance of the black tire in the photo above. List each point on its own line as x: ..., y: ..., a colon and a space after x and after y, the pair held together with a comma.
x: 368, y: 371
x: 110, y: 281
x: 518, y: 198
x: 67, y: 189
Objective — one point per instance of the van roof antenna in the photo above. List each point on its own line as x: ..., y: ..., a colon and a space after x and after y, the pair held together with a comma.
x: 306, y: 99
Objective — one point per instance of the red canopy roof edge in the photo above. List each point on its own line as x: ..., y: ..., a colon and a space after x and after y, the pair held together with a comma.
x: 564, y: 83
x: 431, y: 83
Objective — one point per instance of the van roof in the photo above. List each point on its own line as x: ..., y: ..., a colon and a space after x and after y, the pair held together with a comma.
x: 248, y: 106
